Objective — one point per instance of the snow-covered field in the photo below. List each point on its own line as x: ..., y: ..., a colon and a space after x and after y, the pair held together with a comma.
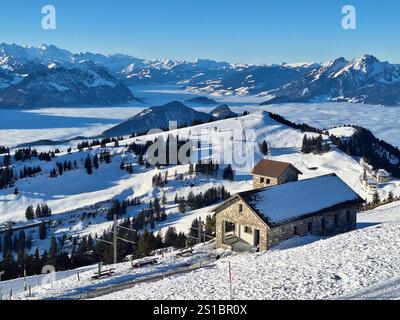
x: 324, y: 269
x: 361, y: 264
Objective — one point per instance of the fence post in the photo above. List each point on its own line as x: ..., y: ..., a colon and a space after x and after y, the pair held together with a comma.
x: 25, y: 286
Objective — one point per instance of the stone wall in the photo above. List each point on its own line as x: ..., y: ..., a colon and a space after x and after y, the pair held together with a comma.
x: 290, y: 175
x: 245, y: 218
x: 257, y: 184
x: 323, y: 225
x: 330, y: 223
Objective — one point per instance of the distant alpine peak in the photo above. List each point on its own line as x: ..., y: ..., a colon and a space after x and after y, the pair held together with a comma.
x: 43, y: 47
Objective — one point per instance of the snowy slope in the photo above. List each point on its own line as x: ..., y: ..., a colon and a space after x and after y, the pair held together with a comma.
x: 304, y: 268
x: 65, y: 193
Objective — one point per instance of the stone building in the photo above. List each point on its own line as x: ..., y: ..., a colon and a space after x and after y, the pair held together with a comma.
x: 383, y: 176
x: 261, y: 218
x: 271, y: 173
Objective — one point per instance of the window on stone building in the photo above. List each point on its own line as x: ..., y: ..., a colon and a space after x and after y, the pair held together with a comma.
x: 248, y: 230
x: 309, y: 227
x: 348, y: 216
x: 262, y: 180
x: 296, y: 231
x: 323, y: 224
x: 268, y: 181
x: 336, y: 220
x: 240, y: 208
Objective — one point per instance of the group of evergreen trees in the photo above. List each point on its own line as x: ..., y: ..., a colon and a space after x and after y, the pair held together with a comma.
x: 25, y: 154
x: 94, y: 143
x: 31, y: 263
x: 15, y: 242
x: 155, y: 212
x: 207, y: 228
x: 42, y: 211
x: 63, y: 167
x: 206, y: 168
x: 86, y: 250
x: 6, y: 160
x: 303, y: 126
x: 201, y: 200
x: 160, y: 180
x: 4, y: 150
x: 119, y: 209
x: 93, y: 162
x: 314, y: 145
x: 377, y: 201
x: 6, y: 177
x: 378, y: 153
x: 29, y: 171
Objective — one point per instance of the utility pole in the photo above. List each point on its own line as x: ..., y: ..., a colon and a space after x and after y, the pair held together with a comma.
x: 199, y: 230
x: 115, y: 239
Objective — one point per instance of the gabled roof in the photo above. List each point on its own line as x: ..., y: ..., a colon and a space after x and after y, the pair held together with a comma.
x: 383, y: 173
x: 298, y: 200
x: 271, y: 168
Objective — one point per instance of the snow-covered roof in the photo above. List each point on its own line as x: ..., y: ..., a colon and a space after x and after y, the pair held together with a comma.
x: 383, y: 173
x: 293, y: 200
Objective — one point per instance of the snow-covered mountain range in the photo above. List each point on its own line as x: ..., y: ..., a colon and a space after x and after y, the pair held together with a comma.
x: 48, y: 76
x: 365, y: 79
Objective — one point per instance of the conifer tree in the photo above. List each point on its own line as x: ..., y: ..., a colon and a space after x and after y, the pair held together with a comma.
x: 96, y: 162
x: 264, y: 148
x: 88, y: 165
x: 228, y: 173
x: 376, y: 199
x: 390, y: 197
x: 29, y: 213
x: 42, y: 231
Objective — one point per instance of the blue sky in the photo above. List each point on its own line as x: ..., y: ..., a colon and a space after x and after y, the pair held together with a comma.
x: 247, y: 31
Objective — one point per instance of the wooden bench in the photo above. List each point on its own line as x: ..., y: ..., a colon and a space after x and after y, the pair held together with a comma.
x: 184, y: 253
x: 103, y: 273
x: 144, y: 263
